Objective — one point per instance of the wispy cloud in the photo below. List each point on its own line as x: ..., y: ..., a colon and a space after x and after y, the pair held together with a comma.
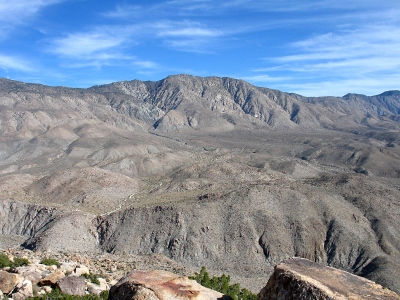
x: 372, y: 49
x: 352, y: 59
x: 14, y: 13
x: 124, y: 11
x: 339, y: 87
x: 188, y: 31
x: 186, y: 35
x: 14, y: 63
x: 102, y: 46
x: 17, y: 11
x: 85, y: 45
x: 266, y: 78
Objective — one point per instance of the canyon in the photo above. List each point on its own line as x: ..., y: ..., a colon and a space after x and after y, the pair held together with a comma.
x: 204, y: 171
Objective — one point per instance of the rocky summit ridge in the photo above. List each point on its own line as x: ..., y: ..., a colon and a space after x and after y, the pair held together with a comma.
x: 206, y: 171
x: 36, y: 274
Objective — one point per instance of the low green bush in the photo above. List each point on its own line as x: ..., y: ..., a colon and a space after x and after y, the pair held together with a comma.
x: 93, y: 278
x: 222, y: 285
x: 6, y: 262
x: 49, y: 261
x: 18, y: 261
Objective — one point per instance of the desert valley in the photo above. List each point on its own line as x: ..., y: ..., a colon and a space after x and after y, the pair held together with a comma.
x: 203, y: 171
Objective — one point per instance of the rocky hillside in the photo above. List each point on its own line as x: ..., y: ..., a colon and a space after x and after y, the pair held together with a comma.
x: 206, y: 171
x: 25, y: 274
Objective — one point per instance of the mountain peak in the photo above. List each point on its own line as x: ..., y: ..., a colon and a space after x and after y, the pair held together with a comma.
x: 390, y: 93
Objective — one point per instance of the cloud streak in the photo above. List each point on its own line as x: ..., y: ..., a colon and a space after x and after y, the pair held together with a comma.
x: 14, y: 63
x: 85, y: 45
x: 353, y: 59
x: 102, y: 46
x: 16, y: 13
x: 208, y: 38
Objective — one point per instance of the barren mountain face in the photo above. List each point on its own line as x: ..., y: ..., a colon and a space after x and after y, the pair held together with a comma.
x: 206, y: 171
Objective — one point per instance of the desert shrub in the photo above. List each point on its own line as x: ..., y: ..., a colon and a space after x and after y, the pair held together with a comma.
x: 222, y: 285
x: 6, y: 262
x: 49, y: 261
x: 93, y: 278
x: 104, y: 295
x: 18, y: 261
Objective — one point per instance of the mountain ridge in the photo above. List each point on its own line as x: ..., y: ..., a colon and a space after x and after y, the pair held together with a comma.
x: 207, y: 171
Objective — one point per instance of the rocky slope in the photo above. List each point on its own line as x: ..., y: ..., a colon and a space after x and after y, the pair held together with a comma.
x: 75, y: 274
x: 207, y: 171
x: 136, y: 277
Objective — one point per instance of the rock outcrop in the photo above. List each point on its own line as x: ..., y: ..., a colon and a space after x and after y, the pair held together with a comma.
x: 36, y: 278
x: 161, y: 285
x: 302, y: 279
x: 72, y: 285
x: 8, y: 281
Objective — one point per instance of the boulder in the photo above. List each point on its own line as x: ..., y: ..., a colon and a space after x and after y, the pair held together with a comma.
x: 8, y: 281
x: 67, y: 267
x: 80, y: 270
x: 160, y: 285
x: 97, y: 288
x: 72, y: 285
x: 52, y: 278
x: 33, y: 276
x: 103, y: 284
x: 22, y: 270
x: 31, y: 273
x: 302, y: 279
x: 24, y: 290
x: 94, y: 288
x: 51, y: 268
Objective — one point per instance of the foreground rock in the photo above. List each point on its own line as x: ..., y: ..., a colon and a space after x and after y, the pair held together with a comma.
x: 38, y: 279
x: 8, y: 281
x: 73, y: 285
x: 160, y: 285
x: 300, y: 278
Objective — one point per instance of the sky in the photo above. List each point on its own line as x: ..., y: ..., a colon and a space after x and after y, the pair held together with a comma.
x: 313, y: 48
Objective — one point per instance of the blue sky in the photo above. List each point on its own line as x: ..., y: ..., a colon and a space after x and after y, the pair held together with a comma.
x: 314, y: 48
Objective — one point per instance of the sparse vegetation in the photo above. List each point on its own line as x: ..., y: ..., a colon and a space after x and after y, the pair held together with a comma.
x: 49, y: 261
x: 93, y: 278
x: 18, y: 261
x: 222, y: 285
x: 56, y: 294
x: 6, y: 262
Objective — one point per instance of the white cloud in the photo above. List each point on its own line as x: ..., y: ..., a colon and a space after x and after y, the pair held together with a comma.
x: 189, y: 32
x: 84, y: 45
x: 14, y: 13
x: 103, y: 46
x: 145, y: 64
x: 186, y: 35
x: 14, y: 63
x: 265, y: 78
x: 124, y: 11
x: 368, y: 85
x: 341, y: 62
x: 369, y: 49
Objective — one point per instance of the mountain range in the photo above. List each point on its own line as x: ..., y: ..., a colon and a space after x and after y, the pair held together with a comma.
x: 206, y: 171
